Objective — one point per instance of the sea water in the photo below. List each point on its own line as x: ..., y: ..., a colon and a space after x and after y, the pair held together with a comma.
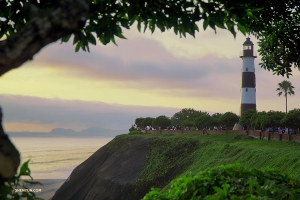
x: 52, y: 159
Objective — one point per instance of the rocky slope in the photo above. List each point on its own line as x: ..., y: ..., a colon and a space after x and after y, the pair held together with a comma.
x: 116, y: 170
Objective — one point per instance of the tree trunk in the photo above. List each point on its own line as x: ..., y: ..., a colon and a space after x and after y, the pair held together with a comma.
x: 285, y: 104
x: 9, y: 156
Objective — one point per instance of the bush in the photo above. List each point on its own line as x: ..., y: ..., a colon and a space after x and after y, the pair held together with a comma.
x: 135, y: 132
x: 132, y: 128
x: 231, y: 182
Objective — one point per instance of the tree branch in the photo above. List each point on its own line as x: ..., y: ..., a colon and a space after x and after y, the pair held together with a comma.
x: 66, y: 18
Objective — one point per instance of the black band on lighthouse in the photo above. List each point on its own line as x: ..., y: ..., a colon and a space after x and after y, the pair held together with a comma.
x: 248, y: 79
x: 245, y: 107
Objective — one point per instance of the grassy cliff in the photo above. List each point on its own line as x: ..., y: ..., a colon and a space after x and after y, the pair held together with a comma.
x: 191, y: 153
x: 129, y: 165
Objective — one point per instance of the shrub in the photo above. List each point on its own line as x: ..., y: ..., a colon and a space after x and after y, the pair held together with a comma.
x: 231, y: 182
x: 135, y: 132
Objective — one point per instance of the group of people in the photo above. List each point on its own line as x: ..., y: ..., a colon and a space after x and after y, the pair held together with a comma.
x: 280, y: 130
x: 178, y: 127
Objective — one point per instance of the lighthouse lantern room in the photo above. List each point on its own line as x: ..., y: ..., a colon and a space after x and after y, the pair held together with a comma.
x: 248, y: 90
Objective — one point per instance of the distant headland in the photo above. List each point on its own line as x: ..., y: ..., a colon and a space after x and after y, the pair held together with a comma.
x: 63, y: 132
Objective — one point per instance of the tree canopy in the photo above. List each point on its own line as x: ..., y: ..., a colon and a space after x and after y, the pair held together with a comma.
x: 138, y: 121
x: 256, y: 120
x: 285, y: 87
x: 161, y: 121
x: 28, y: 26
x: 205, y: 121
x: 272, y: 119
x: 292, y: 120
x: 228, y: 119
x: 147, y: 122
x: 186, y: 114
x: 246, y: 116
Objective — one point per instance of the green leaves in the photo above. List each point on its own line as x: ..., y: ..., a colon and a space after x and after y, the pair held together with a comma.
x: 205, y: 23
x: 231, y: 182
x: 242, y: 28
x: 24, y: 169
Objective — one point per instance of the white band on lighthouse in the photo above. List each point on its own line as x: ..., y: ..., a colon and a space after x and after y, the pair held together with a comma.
x: 248, y: 64
x: 248, y: 96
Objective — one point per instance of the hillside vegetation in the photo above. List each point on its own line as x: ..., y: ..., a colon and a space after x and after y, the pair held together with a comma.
x: 188, y: 154
x: 131, y: 164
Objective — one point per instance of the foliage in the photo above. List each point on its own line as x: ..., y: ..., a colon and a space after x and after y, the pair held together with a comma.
x: 231, y: 182
x: 246, y: 116
x: 198, y: 152
x: 228, y: 119
x: 132, y: 128
x: 136, y: 132
x: 138, y: 121
x: 205, y: 121
x: 256, y: 120
x: 272, y: 119
x: 7, y: 191
x: 285, y: 87
x: 217, y: 116
x: 147, y: 122
x: 278, y: 33
x: 107, y: 18
x: 168, y: 156
x: 292, y: 119
x: 161, y: 121
x: 186, y: 114
x: 277, y: 28
x: 188, y: 123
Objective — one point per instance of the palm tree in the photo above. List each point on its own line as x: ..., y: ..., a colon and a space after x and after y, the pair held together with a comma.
x: 285, y: 87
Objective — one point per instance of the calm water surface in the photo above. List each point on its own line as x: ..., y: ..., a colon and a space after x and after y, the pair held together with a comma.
x: 52, y: 159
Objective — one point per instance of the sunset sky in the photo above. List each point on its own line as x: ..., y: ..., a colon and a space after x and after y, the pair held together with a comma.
x: 145, y: 75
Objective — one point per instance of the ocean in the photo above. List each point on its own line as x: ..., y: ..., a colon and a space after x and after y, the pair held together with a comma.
x: 52, y: 158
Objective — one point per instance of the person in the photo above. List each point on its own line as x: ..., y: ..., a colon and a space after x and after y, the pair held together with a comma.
x: 279, y: 130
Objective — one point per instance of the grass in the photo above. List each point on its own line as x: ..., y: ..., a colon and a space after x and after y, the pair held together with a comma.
x: 177, y: 155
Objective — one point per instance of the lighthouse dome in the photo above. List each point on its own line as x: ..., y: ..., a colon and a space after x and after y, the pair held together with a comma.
x: 248, y: 41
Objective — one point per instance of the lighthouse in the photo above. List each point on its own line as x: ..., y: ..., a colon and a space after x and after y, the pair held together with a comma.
x: 248, y: 90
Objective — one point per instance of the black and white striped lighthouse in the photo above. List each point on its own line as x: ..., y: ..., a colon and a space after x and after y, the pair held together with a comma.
x: 248, y: 90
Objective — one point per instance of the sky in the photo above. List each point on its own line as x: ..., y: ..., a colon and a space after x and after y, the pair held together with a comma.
x: 147, y: 75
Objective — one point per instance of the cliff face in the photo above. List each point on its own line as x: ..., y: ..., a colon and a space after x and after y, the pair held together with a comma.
x: 115, y: 171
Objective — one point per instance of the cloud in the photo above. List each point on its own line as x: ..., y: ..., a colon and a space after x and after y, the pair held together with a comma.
x: 144, y: 64
x: 157, y: 69
x: 69, y: 114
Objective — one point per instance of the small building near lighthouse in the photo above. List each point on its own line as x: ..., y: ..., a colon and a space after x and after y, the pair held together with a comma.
x: 248, y: 81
